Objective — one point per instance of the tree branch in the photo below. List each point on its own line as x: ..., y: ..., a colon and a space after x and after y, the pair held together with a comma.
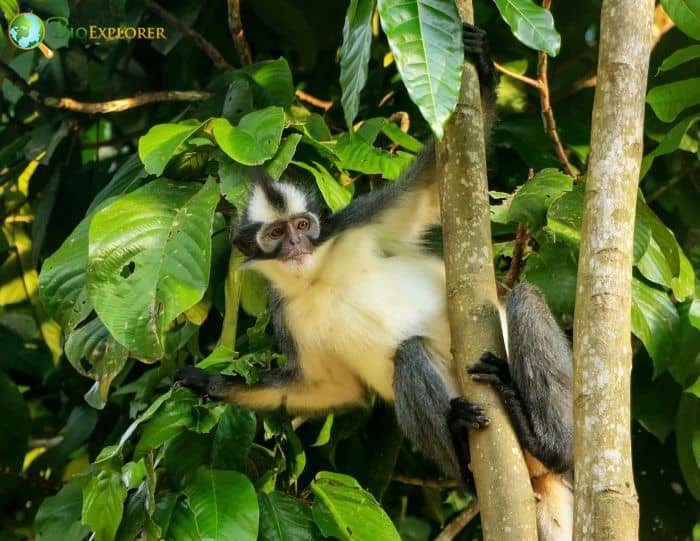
x: 606, y: 504
x: 522, y: 78
x: 457, y: 524
x: 235, y: 24
x: 111, y: 106
x: 546, y: 108
x: 502, y: 482
x: 200, y: 41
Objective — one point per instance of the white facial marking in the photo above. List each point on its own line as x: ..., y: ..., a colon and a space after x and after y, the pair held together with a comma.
x: 260, y: 209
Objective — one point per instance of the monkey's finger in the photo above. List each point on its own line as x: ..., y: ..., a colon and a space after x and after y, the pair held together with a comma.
x: 483, y: 368
x: 487, y: 378
x: 490, y: 358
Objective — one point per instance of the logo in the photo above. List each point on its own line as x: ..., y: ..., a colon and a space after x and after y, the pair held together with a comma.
x: 27, y: 31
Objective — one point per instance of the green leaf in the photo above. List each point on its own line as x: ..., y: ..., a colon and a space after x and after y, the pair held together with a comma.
x: 234, y: 182
x: 255, y: 139
x: 671, y: 141
x: 534, y: 197
x: 104, y: 355
x: 654, y: 266
x: 183, y: 454
x: 425, y: 37
x: 160, y: 144
x: 654, y: 401
x: 335, y: 195
x: 274, y: 78
x: 668, y: 100
x: 14, y: 424
x: 565, y: 215
x: 283, y: 158
x: 655, y: 322
x: 175, y: 417
x: 58, y: 517
x: 183, y: 526
x: 686, y: 15
x: 343, y: 509
x: 683, y: 285
x: 354, y: 55
x: 111, y: 451
x: 149, y: 255
x: 531, y: 24
x: 62, y: 288
x: 254, y: 293
x: 103, y: 504
x: 233, y: 438
x: 284, y: 518
x: 224, y: 505
x: 681, y: 56
x: 661, y: 234
x: 553, y: 269
x: 358, y: 154
x: 133, y: 474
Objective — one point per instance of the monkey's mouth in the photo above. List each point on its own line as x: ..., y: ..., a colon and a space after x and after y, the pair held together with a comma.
x: 297, y: 257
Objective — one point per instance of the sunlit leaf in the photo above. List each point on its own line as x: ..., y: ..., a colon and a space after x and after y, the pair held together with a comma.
x: 160, y: 144
x: 686, y: 14
x: 533, y: 25
x: 681, y: 56
x: 425, y: 37
x: 335, y: 195
x: 671, y: 141
x: 255, y: 139
x: 103, y: 504
x: 149, y: 255
x: 284, y: 518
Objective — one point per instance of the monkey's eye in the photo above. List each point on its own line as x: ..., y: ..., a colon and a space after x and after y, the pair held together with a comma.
x: 303, y: 224
x: 276, y: 233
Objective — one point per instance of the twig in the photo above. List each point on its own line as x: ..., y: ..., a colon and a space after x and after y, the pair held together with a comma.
x: 313, y: 100
x: 453, y: 529
x: 522, y: 238
x: 522, y: 78
x: 235, y: 24
x: 111, y: 106
x: 403, y: 118
x: 670, y: 183
x: 546, y: 108
x: 419, y: 482
x: 199, y: 40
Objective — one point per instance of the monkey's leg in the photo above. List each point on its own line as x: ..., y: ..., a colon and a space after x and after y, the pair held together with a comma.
x: 536, y: 384
x: 436, y: 425
x: 278, y: 387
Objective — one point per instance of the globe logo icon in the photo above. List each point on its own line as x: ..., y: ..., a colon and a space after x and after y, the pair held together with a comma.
x: 26, y: 31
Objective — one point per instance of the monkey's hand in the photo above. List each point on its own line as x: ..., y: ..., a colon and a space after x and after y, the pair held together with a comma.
x: 193, y: 378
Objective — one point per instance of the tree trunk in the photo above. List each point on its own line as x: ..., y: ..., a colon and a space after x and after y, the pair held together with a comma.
x: 502, y: 482
x: 606, y: 504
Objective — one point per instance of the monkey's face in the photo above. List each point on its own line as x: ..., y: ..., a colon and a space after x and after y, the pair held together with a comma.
x: 291, y: 240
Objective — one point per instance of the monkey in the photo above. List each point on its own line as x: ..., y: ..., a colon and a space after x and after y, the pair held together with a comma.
x: 358, y: 307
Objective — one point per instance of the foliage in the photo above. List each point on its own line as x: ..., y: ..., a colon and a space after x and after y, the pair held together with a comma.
x: 115, y: 267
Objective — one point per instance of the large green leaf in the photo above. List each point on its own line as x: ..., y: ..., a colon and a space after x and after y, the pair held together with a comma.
x: 668, y: 100
x: 343, y: 509
x: 149, y: 255
x: 58, y: 517
x: 686, y: 14
x: 671, y: 141
x: 425, y: 37
x: 655, y: 322
x: 284, y: 518
x: 125, y: 179
x: 103, y: 504
x: 274, y: 79
x: 255, y: 139
x: 160, y: 144
x: 224, y: 505
x: 354, y: 55
x: 62, y: 280
x: 531, y: 24
x: 182, y: 526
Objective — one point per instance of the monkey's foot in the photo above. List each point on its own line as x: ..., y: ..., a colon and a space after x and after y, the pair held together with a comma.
x: 464, y: 415
x: 491, y: 369
x: 193, y: 378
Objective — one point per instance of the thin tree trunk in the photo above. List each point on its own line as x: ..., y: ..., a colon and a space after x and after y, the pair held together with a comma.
x: 606, y: 504
x: 503, y: 486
